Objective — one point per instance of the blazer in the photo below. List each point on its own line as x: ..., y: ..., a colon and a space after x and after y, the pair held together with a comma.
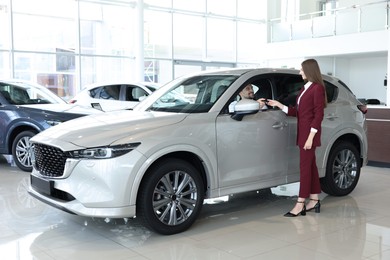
x: 309, y: 113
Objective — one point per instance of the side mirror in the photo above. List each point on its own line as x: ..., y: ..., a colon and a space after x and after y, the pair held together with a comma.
x: 245, y: 107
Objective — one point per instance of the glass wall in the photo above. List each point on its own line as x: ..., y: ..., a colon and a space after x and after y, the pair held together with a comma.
x: 67, y: 44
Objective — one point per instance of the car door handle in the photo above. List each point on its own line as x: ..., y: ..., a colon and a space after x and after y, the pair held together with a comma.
x: 331, y: 116
x: 278, y: 125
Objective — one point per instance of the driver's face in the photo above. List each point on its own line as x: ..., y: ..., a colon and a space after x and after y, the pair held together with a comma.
x: 247, y: 92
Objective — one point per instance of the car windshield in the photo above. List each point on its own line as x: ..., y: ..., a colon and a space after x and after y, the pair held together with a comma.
x: 194, y: 95
x: 25, y: 94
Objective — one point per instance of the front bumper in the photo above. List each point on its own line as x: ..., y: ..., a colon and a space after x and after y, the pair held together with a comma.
x: 75, y: 207
x: 94, y: 188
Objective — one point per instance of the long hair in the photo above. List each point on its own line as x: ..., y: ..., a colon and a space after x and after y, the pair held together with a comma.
x: 313, y: 73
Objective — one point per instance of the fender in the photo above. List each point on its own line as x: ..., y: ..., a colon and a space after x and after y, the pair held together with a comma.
x: 209, y: 163
x: 13, y: 126
x: 334, y: 138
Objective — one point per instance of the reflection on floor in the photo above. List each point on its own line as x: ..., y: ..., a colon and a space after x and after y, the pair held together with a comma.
x: 245, y: 226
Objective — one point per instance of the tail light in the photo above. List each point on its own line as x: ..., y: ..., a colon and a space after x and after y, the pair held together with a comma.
x: 362, y: 108
x: 72, y: 101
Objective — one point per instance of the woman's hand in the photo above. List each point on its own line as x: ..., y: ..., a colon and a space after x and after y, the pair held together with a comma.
x: 309, y: 142
x: 274, y: 103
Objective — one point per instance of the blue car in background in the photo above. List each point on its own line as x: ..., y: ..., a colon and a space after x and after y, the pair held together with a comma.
x: 26, y: 109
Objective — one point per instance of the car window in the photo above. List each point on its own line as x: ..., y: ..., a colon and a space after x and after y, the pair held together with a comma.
x: 109, y: 92
x: 94, y: 93
x: 133, y: 93
x: 288, y: 87
x: 264, y: 89
x: 195, y: 95
x: 6, y: 96
x: 331, y: 91
x: 25, y: 94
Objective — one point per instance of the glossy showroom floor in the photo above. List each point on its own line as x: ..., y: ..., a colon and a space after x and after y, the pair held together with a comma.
x: 248, y: 226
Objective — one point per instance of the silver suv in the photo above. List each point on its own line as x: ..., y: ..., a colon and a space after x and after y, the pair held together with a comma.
x: 190, y: 140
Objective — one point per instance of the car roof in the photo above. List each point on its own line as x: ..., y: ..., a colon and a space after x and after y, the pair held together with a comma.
x: 241, y: 71
x: 20, y: 82
x: 100, y: 84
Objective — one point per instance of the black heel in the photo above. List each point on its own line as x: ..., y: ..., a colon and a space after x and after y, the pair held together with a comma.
x: 317, y: 207
x: 303, y: 211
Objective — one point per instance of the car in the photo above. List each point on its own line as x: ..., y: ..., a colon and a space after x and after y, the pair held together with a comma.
x: 27, y: 108
x: 113, y: 96
x: 186, y: 143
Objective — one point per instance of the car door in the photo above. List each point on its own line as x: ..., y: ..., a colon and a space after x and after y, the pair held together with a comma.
x: 252, y: 152
x: 287, y: 87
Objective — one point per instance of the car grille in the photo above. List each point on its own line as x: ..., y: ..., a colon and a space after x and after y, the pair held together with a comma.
x: 49, y: 161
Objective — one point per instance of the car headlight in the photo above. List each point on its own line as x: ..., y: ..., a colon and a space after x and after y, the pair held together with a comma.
x: 103, y: 152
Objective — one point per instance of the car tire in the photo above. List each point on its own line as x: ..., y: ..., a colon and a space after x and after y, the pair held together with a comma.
x: 21, y: 150
x: 170, y: 197
x: 342, y: 170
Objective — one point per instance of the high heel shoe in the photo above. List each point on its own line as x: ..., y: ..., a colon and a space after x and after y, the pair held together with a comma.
x: 303, y: 211
x: 317, y: 206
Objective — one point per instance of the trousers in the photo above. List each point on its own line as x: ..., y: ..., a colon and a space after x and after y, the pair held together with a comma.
x: 309, y: 179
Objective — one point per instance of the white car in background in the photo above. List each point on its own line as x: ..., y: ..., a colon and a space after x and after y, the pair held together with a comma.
x: 113, y: 96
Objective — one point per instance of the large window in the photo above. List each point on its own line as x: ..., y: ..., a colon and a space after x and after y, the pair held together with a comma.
x: 66, y: 44
x: 4, y: 25
x: 107, y: 29
x: 190, y: 5
x: 105, y: 69
x: 221, y: 42
x: 188, y: 37
x: 251, y: 39
x: 228, y: 9
x: 157, y: 34
x: 4, y: 64
x: 43, y: 29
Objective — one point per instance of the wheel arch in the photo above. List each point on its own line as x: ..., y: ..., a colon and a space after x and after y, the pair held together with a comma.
x: 195, y: 160
x: 350, y: 137
x: 17, y: 130
x: 189, y: 157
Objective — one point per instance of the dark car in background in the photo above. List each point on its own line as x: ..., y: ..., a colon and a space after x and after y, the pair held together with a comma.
x: 27, y: 109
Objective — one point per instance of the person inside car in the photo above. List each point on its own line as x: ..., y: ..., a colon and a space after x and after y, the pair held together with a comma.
x: 248, y: 93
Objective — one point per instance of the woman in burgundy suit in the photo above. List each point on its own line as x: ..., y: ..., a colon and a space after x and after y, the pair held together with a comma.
x: 309, y: 111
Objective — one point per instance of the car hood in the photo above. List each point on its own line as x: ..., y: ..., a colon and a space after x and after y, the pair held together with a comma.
x: 68, y: 108
x: 104, y: 129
